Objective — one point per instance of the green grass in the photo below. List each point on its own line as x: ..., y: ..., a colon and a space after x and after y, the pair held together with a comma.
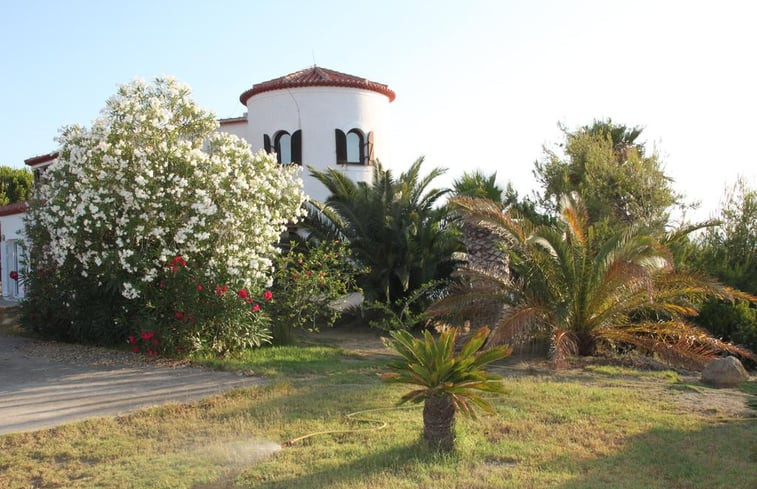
x: 548, y: 432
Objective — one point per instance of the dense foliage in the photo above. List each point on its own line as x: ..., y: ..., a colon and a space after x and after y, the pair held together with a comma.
x: 309, y: 281
x: 393, y: 227
x: 583, y: 290
x: 151, y: 217
x: 729, y: 252
x: 15, y: 185
x: 619, y: 182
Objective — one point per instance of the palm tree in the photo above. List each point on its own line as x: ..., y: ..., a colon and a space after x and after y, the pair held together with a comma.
x: 449, y: 382
x: 476, y: 184
x: 583, y: 291
x: 394, y: 226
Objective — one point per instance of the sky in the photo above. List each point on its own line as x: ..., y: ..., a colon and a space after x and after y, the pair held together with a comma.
x: 480, y: 84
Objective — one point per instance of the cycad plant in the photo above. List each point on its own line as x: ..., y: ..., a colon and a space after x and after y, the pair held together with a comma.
x: 448, y: 382
x: 583, y: 291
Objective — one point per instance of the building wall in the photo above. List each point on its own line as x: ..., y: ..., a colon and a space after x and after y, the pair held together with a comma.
x: 11, y: 253
x: 236, y: 128
x: 317, y: 112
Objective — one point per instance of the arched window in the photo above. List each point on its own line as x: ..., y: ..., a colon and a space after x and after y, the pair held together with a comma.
x: 288, y: 147
x: 283, y: 144
x: 354, y: 148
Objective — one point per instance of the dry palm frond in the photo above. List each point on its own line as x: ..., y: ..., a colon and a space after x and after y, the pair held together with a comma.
x: 673, y: 341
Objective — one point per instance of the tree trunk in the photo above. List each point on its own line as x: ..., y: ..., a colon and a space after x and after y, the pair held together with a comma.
x: 586, y: 344
x: 439, y: 422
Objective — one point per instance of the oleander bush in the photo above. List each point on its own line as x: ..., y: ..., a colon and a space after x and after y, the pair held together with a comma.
x: 152, y: 221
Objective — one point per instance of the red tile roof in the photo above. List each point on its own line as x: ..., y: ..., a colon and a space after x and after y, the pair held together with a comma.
x: 36, y: 160
x: 316, y: 77
x: 10, y: 209
x: 232, y: 120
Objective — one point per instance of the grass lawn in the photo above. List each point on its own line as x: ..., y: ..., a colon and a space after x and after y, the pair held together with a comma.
x: 596, y: 427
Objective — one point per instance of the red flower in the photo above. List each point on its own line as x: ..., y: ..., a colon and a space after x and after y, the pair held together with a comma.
x: 13, y: 275
x: 295, y: 276
x: 243, y: 294
x: 162, y: 285
x: 147, y: 336
x: 135, y: 349
x: 155, y: 341
x: 221, y: 290
x: 268, y: 295
x: 256, y: 308
x: 132, y: 339
x: 308, y: 272
x: 199, y: 287
x: 179, y: 315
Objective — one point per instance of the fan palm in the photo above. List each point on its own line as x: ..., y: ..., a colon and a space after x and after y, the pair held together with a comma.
x: 393, y: 226
x: 448, y: 382
x: 583, y: 291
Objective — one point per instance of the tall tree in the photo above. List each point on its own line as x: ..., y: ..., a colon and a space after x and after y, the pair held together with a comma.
x: 15, y: 185
x: 394, y: 226
x: 476, y: 184
x: 619, y: 182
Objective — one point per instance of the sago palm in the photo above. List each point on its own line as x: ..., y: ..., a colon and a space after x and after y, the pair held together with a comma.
x: 582, y: 291
x: 448, y: 382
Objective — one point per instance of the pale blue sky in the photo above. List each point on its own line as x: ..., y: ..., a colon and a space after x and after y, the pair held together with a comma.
x: 480, y: 84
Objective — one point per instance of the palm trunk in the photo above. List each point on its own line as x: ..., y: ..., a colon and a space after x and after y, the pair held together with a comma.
x: 586, y: 344
x: 439, y: 422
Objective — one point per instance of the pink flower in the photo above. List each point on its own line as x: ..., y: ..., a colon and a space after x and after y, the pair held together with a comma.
x: 243, y: 294
x: 255, y: 307
x: 268, y: 295
x: 132, y: 339
x: 199, y: 287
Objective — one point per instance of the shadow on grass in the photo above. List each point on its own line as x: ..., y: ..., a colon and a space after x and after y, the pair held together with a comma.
x: 718, y: 456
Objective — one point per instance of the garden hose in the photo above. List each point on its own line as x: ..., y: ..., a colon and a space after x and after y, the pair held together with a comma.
x: 352, y: 417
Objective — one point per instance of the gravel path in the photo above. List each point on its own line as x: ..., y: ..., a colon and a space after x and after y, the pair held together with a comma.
x: 45, y: 384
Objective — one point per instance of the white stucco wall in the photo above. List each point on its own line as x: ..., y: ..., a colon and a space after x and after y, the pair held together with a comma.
x: 12, y: 234
x: 318, y: 111
x: 236, y: 128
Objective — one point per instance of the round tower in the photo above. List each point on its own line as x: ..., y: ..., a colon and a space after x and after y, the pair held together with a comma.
x: 321, y: 118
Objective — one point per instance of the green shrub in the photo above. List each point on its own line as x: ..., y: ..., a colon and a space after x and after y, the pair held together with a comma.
x: 309, y: 279
x: 732, y: 322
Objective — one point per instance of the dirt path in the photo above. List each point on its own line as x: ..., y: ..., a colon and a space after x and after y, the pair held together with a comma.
x: 45, y: 384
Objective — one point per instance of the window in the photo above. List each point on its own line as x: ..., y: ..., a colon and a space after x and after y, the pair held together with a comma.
x: 284, y: 147
x: 288, y: 147
x: 353, y: 148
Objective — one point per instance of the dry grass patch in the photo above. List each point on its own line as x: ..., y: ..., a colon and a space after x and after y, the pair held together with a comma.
x: 585, y: 428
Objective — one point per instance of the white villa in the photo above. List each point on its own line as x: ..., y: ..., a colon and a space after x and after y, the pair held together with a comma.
x: 316, y: 117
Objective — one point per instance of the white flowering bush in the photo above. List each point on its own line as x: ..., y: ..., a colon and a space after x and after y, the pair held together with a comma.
x: 150, y: 184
